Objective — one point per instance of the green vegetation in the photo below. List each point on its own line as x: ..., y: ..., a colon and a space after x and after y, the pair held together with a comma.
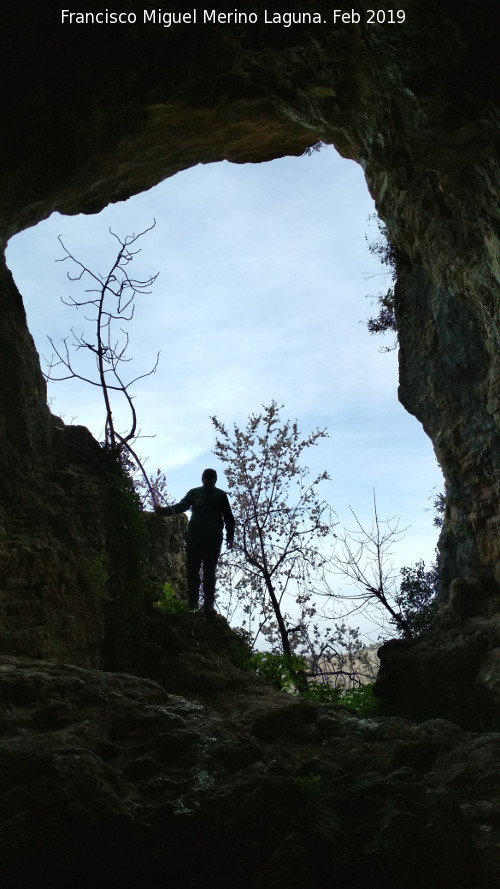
x: 99, y: 576
x: 323, y: 693
x: 170, y: 602
x: 360, y: 699
x: 417, y: 597
x: 385, y: 321
x: 283, y: 671
x: 310, y: 783
x: 287, y: 672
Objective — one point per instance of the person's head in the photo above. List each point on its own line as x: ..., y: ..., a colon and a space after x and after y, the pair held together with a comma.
x: 209, y: 478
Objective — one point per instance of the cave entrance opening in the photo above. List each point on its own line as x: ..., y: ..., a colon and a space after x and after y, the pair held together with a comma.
x: 264, y: 269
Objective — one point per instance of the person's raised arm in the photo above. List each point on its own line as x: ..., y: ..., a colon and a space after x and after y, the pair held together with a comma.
x: 176, y: 508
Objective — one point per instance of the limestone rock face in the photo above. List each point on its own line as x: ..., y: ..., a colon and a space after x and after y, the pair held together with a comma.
x: 166, y: 551
x: 93, y: 114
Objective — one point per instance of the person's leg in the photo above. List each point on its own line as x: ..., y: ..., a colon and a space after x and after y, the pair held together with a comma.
x: 210, y: 557
x: 193, y: 565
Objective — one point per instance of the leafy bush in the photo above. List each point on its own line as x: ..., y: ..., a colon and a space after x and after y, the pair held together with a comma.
x: 170, y: 601
x: 322, y: 693
x: 417, y: 597
x: 360, y: 699
x: 284, y: 671
x: 287, y: 672
x: 382, y: 248
x: 309, y: 784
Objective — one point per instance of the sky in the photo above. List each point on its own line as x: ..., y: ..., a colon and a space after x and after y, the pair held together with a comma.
x: 261, y: 296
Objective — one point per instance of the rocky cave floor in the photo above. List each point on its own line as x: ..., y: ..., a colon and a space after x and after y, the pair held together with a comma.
x: 205, y: 777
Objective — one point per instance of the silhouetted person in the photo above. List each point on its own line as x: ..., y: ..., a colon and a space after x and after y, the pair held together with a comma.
x: 210, y: 512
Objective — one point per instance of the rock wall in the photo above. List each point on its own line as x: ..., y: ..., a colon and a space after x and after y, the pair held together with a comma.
x: 94, y: 114
x: 166, y: 551
x: 70, y: 556
x: 52, y: 554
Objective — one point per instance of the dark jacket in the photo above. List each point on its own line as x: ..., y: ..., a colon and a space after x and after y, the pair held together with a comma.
x: 210, y: 511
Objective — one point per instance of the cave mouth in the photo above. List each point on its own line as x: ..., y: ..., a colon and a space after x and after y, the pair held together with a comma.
x: 416, y: 106
x: 264, y: 269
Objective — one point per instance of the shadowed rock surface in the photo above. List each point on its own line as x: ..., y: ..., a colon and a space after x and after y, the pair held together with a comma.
x: 110, y: 779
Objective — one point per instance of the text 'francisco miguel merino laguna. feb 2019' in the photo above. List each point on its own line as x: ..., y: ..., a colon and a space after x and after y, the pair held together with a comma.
x: 335, y: 17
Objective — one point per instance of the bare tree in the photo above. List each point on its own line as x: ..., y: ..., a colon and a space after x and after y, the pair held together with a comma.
x: 108, y: 305
x: 364, y: 557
